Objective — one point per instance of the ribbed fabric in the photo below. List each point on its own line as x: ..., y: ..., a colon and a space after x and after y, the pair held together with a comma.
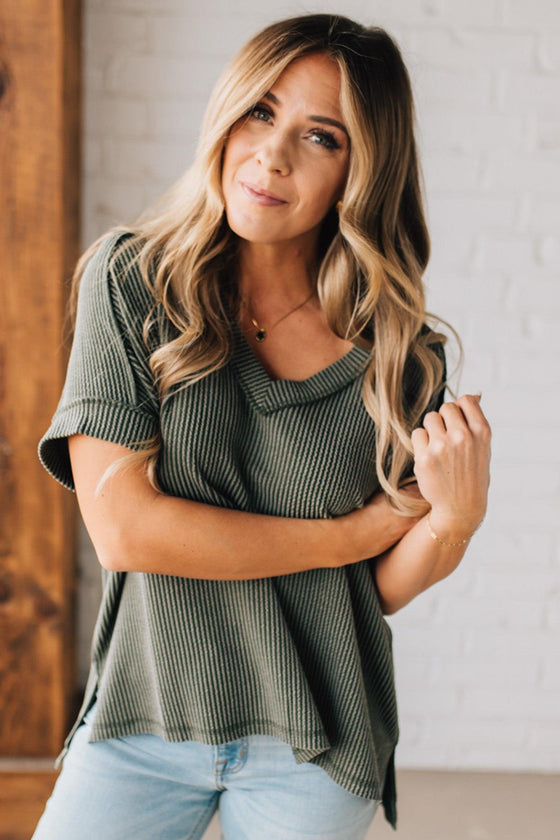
x: 303, y: 657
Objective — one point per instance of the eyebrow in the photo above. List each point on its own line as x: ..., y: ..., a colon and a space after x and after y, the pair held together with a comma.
x: 314, y: 117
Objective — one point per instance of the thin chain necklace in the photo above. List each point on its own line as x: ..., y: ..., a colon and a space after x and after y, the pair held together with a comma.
x: 262, y: 332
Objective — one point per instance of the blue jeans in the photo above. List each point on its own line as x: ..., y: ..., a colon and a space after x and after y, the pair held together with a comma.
x: 141, y: 787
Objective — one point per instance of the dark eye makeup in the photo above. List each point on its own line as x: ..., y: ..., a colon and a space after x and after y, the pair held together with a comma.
x: 263, y: 113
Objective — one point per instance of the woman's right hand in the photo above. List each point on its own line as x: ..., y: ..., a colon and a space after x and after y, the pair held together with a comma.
x: 377, y: 526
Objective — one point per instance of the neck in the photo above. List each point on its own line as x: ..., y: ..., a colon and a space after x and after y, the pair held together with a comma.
x: 272, y: 272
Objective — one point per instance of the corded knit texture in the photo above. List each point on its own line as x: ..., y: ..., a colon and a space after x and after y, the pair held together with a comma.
x: 305, y: 657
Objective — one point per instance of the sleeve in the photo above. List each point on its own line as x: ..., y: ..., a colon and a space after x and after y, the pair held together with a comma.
x: 109, y: 392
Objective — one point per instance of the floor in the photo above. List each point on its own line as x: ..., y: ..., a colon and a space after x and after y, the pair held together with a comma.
x: 433, y: 805
x: 436, y: 805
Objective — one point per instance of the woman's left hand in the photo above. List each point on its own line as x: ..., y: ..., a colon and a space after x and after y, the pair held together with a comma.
x: 452, y: 466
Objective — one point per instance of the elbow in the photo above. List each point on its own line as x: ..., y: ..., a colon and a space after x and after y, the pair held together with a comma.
x: 389, y: 609
x: 114, y: 551
x: 110, y: 561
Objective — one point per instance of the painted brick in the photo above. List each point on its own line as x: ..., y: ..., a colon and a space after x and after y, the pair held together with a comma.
x: 522, y: 370
x: 543, y: 512
x: 524, y: 703
x: 128, y: 31
x: 427, y: 700
x: 451, y: 253
x: 537, y: 439
x: 545, y: 476
x: 494, y: 612
x: 496, y: 673
x: 492, y: 758
x: 545, y: 738
x: 543, y: 289
x: 93, y: 79
x: 135, y: 159
x: 92, y: 157
x: 542, y: 214
x: 537, y: 92
x: 548, y: 53
x: 89, y: 598
x: 481, y: 291
x: 470, y: 213
x: 551, y: 669
x: 175, y: 119
x: 411, y: 640
x: 475, y: 13
x: 548, y: 135
x: 542, y: 15
x: 500, y: 644
x: 122, y: 200
x: 551, y: 617
x: 116, y: 117
x: 465, y: 132
x: 199, y: 35
x: 150, y: 7
x: 155, y: 76
x: 471, y: 49
x: 452, y: 88
x: 509, y: 254
x: 445, y: 168
x: 482, y: 731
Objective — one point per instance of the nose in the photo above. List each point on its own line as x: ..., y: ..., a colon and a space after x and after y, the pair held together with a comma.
x: 273, y: 155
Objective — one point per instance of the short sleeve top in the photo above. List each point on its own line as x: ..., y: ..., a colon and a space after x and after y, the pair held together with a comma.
x: 304, y: 657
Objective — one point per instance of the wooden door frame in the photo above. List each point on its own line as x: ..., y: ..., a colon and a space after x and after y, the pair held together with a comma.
x: 40, y: 127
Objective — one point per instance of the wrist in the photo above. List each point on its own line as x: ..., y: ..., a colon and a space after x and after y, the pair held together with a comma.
x: 449, y: 530
x: 348, y: 545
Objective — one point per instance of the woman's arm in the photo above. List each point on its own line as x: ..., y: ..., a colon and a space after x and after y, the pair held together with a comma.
x: 135, y: 528
x: 451, y: 464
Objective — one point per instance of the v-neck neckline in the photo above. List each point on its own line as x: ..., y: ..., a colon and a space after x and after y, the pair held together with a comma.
x: 269, y: 394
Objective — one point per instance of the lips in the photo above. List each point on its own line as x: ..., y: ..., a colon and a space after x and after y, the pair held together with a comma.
x: 261, y: 196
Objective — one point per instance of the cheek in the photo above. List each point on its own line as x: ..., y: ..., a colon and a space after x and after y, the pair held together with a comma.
x: 322, y: 189
x: 226, y: 166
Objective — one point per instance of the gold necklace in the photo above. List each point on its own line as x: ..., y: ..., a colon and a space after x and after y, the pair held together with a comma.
x: 261, y: 332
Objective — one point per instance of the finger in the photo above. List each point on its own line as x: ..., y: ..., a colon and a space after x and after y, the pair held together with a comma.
x: 453, y: 417
x: 420, y: 440
x: 474, y: 416
x: 434, y: 425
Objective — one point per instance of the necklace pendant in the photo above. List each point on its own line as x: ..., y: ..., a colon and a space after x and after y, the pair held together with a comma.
x: 260, y: 335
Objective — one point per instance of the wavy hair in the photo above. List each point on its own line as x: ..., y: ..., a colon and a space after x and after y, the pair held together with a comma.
x: 373, y: 252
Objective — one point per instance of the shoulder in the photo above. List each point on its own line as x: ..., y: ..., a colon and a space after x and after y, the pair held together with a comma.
x: 117, y: 263
x: 113, y: 284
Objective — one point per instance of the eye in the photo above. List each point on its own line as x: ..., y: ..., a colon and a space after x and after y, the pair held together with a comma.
x: 259, y: 112
x: 324, y: 138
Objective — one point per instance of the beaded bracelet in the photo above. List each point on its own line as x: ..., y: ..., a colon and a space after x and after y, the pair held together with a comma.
x: 435, y: 537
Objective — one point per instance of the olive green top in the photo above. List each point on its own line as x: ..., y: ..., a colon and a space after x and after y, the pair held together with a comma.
x: 304, y: 657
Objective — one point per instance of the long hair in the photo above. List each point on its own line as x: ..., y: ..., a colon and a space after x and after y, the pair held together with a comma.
x: 373, y: 252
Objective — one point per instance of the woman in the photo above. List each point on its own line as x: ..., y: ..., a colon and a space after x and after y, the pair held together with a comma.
x: 251, y: 383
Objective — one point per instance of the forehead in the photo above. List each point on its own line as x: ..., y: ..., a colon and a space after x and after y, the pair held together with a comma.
x: 312, y: 82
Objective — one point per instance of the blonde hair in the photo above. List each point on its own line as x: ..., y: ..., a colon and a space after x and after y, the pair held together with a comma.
x: 373, y: 253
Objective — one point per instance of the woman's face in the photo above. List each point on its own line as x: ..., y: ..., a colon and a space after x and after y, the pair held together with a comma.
x: 286, y: 162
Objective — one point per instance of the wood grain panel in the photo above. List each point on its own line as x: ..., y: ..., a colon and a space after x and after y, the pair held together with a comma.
x: 22, y: 801
x: 39, y: 239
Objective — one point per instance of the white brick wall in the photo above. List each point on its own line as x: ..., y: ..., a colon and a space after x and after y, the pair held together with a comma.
x: 477, y: 656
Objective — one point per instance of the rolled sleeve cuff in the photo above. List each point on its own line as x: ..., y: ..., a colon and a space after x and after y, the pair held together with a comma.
x: 110, y: 421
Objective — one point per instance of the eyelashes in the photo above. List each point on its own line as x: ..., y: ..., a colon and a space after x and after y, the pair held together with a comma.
x: 321, y: 137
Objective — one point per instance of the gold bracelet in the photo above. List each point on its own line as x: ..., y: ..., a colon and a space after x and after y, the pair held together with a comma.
x: 435, y: 537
